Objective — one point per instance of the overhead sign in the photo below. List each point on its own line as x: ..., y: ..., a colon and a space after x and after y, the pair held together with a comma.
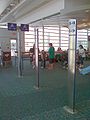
x: 12, y: 26
x: 24, y: 27
x: 72, y: 26
x: 72, y: 33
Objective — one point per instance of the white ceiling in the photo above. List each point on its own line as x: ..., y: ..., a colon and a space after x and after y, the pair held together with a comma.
x: 4, y: 4
x: 78, y: 9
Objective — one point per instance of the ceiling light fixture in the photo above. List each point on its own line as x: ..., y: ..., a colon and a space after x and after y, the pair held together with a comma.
x: 12, y: 4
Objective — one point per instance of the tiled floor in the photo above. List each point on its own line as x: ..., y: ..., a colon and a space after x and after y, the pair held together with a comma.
x: 19, y: 100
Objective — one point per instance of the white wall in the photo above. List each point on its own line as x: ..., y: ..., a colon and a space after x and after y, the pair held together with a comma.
x: 4, y: 4
x: 5, y: 40
x: 6, y: 36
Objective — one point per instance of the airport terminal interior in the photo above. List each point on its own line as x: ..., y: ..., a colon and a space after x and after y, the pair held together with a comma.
x: 44, y: 59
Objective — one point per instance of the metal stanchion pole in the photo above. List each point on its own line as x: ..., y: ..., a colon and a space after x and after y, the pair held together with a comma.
x: 43, y: 37
x: 19, y: 53
x: 37, y: 57
x: 59, y: 36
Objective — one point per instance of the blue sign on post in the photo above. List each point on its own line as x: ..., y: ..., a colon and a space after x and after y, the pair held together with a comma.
x: 12, y: 26
x: 24, y: 27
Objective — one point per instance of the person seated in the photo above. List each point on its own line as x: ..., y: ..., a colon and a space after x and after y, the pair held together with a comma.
x: 59, y: 54
x: 31, y: 50
x: 65, y: 60
x: 59, y: 50
x: 77, y: 59
x: 43, y: 57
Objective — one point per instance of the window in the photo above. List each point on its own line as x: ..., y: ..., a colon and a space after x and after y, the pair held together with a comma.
x: 51, y: 35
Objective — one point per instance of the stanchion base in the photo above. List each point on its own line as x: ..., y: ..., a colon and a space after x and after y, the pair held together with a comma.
x: 69, y: 110
x: 37, y: 88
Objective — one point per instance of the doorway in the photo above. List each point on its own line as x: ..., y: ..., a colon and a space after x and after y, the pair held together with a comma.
x: 13, y: 47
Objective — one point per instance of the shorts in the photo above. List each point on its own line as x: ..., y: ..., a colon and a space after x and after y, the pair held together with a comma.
x: 51, y: 60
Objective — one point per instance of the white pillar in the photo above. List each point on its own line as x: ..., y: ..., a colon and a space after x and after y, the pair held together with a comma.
x: 72, y: 66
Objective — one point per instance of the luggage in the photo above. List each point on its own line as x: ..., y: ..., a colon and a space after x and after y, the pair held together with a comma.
x: 85, y: 71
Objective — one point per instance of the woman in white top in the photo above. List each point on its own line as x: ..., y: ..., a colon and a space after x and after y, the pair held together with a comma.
x: 1, y: 62
x: 81, y: 55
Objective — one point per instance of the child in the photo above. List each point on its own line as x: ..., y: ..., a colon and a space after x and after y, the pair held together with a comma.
x: 43, y: 54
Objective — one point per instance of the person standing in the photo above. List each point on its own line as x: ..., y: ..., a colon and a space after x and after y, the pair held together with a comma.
x: 51, y: 53
x: 33, y: 57
x: 1, y: 60
x: 81, y: 55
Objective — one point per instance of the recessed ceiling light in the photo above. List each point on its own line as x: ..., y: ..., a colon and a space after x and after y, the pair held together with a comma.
x: 12, y: 4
